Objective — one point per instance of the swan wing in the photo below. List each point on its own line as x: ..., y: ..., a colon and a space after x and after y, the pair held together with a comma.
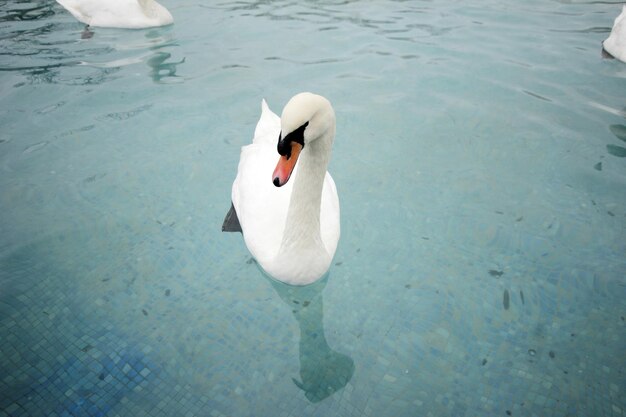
x: 261, y: 207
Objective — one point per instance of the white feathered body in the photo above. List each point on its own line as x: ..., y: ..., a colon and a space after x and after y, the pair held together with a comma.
x: 615, y: 44
x: 263, y: 209
x: 126, y: 14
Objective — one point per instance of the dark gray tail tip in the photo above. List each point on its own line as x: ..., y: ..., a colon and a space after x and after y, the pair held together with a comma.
x: 231, y: 221
x: 606, y: 54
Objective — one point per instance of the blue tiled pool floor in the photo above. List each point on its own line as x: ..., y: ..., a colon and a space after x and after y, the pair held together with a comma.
x: 79, y: 341
x: 58, y: 359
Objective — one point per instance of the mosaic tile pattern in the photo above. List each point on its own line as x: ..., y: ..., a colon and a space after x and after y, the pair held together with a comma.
x: 77, y: 341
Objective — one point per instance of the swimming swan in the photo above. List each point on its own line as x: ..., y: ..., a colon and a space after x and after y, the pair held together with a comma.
x: 615, y: 44
x: 290, y: 227
x: 126, y: 14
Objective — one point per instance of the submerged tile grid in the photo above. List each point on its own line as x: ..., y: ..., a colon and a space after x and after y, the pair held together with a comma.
x: 431, y: 346
x: 452, y: 347
x: 56, y: 360
x: 92, y: 364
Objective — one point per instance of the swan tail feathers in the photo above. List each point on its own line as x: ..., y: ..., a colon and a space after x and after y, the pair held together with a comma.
x: 231, y: 221
x: 268, y: 126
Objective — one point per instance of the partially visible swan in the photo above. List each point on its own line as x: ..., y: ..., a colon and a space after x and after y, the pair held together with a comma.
x: 291, y: 227
x: 615, y: 44
x: 126, y: 14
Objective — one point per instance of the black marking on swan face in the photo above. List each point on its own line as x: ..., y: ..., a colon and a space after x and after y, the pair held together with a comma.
x: 284, y: 144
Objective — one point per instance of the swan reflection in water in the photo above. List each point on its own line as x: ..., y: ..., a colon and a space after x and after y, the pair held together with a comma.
x: 323, y: 371
x: 160, y: 68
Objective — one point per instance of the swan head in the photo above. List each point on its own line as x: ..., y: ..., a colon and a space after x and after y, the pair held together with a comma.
x: 306, y: 118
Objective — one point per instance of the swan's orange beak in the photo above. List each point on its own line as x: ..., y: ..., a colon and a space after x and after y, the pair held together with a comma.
x: 285, y: 165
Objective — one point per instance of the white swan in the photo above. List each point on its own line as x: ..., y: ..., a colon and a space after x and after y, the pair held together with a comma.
x: 290, y: 227
x: 126, y: 14
x: 615, y: 44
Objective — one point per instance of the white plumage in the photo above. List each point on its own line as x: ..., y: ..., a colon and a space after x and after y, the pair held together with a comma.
x: 291, y: 230
x: 126, y: 14
x: 615, y: 44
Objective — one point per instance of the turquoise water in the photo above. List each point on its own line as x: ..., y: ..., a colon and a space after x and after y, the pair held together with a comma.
x: 480, y: 165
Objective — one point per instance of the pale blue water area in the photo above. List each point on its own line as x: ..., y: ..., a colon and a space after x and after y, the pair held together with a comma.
x: 480, y: 163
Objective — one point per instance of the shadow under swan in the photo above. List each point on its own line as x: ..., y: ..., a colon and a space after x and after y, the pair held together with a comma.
x: 323, y: 371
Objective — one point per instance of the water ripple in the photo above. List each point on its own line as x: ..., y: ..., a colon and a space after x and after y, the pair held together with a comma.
x: 535, y: 95
x: 120, y: 116
x: 27, y: 13
x: 35, y: 147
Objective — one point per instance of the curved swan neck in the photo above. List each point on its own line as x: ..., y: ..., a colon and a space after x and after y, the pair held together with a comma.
x: 302, y: 227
